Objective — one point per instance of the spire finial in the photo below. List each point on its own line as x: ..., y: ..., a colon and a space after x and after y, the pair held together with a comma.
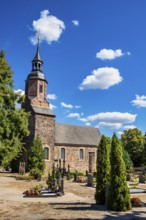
x: 38, y: 33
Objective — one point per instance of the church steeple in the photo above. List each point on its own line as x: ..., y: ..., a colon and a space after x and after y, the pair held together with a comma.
x: 37, y: 63
x: 36, y: 84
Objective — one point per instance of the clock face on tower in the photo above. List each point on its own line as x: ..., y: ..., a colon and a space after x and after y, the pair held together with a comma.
x: 32, y: 90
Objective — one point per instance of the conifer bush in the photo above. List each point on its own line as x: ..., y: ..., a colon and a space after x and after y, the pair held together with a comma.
x: 103, y: 169
x: 118, y: 197
x: 36, y: 163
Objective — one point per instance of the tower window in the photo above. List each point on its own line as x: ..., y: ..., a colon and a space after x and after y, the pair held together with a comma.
x: 46, y: 153
x: 41, y: 88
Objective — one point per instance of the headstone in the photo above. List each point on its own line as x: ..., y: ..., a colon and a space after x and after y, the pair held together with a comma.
x: 144, y: 171
x: 141, y: 179
x: 90, y: 179
x: 128, y: 178
x: 75, y: 177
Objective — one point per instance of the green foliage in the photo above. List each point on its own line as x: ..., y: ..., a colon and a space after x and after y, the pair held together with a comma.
x: 118, y: 197
x: 36, y: 163
x: 55, y: 175
x: 133, y: 143
x: 103, y: 169
x: 13, y: 121
x: 144, y: 150
x: 127, y: 160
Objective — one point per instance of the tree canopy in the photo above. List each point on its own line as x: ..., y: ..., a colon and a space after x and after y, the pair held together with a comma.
x: 133, y: 142
x: 13, y: 121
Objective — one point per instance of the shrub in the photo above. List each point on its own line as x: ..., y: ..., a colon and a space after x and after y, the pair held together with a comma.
x: 119, y: 196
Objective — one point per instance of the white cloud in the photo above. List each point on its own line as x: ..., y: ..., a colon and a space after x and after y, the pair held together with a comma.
x: 52, y: 106
x: 109, y: 54
x: 140, y: 101
x: 48, y: 26
x: 73, y: 115
x: 112, y: 117
x: 75, y: 22
x: 120, y: 133
x: 64, y: 105
x: 83, y: 119
x: 109, y: 125
x: 77, y: 106
x: 19, y: 91
x: 88, y: 124
x: 127, y: 127
x: 128, y: 53
x: 101, y: 78
x: 52, y: 96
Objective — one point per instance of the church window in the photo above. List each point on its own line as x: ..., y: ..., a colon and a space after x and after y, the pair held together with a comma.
x: 62, y: 153
x: 41, y: 88
x: 46, y: 153
x: 81, y: 154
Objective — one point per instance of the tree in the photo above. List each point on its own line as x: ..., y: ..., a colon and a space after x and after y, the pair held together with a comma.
x: 132, y: 140
x: 103, y: 169
x: 127, y: 160
x: 36, y: 163
x: 144, y: 150
x: 13, y: 121
x: 118, y: 197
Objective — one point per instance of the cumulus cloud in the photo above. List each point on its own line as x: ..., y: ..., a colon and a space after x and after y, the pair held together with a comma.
x: 109, y: 125
x: 52, y: 96
x: 77, y: 106
x: 101, y: 78
x: 109, y: 54
x: 75, y: 22
x: 52, y: 106
x: 64, y: 105
x: 49, y: 28
x: 112, y: 117
x: 140, y: 101
x: 88, y: 124
x: 127, y: 127
x: 73, y: 115
x: 20, y: 92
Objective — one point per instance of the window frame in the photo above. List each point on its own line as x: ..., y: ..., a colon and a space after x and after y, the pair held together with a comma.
x: 62, y: 148
x: 81, y: 154
x: 48, y: 153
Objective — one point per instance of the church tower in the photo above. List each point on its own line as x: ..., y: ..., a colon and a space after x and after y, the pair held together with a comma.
x: 42, y: 119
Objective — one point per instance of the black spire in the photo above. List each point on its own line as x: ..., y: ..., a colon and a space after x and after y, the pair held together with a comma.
x: 37, y: 62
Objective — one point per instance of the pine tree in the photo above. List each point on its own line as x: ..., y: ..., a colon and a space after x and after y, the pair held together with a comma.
x: 13, y: 121
x: 36, y: 163
x: 103, y: 169
x: 118, y: 197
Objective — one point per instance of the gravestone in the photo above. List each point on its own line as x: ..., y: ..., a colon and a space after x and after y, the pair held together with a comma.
x: 141, y: 179
x: 75, y: 177
x: 128, y: 178
x: 144, y: 171
x: 90, y: 179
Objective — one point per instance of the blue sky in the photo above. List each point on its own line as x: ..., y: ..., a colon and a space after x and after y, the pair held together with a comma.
x: 94, y: 54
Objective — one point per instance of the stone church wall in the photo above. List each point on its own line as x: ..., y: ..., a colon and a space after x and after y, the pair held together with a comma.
x: 72, y: 157
x: 44, y: 126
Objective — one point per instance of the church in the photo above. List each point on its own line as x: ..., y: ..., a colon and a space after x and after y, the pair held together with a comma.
x: 70, y: 145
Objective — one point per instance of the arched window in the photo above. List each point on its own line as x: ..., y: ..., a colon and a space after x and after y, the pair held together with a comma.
x: 62, y: 153
x: 46, y: 153
x: 81, y: 154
